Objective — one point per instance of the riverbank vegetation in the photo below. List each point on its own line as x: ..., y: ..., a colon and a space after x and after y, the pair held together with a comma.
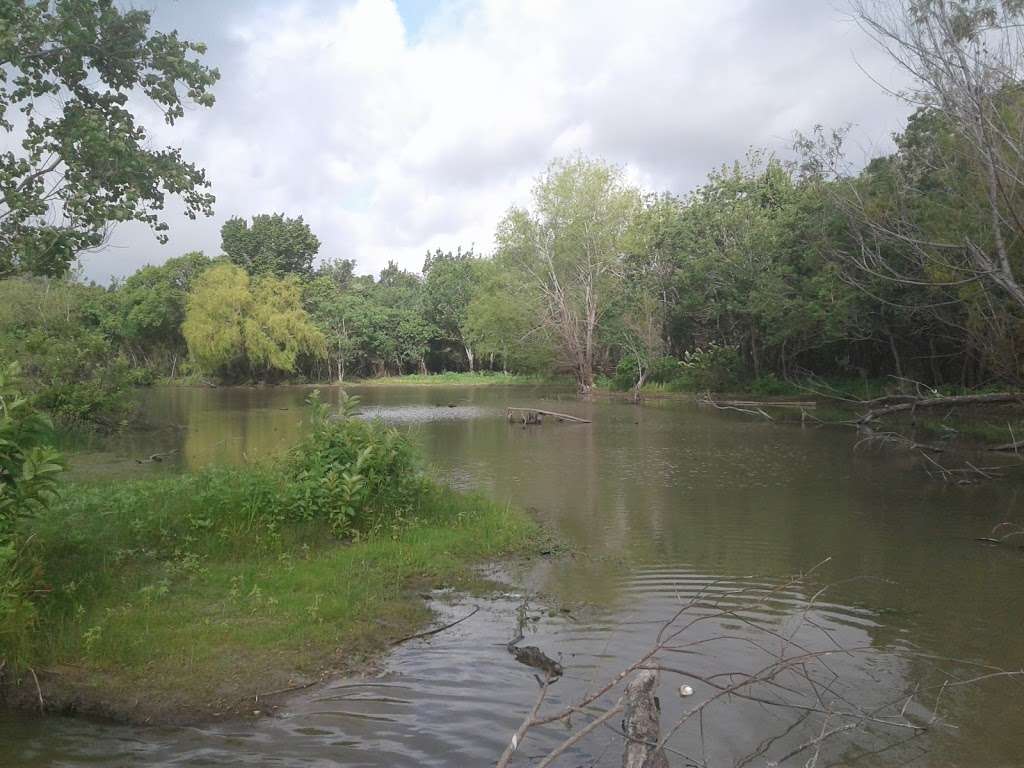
x: 182, y: 596
x: 772, y: 275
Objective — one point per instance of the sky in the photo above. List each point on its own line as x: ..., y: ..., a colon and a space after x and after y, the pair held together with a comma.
x: 394, y: 127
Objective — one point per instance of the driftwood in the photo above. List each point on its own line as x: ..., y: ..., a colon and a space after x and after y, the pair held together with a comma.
x: 768, y: 403
x: 939, y: 402
x: 640, y: 723
x: 529, y: 416
x: 1013, y: 447
x: 430, y: 632
x: 156, y: 458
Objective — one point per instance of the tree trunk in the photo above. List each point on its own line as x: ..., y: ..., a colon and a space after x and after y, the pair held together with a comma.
x: 640, y: 723
x: 896, y: 357
x: 469, y: 357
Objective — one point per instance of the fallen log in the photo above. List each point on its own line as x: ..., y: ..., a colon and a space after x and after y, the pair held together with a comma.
x: 640, y: 723
x: 940, y: 402
x: 769, y: 403
x: 554, y: 414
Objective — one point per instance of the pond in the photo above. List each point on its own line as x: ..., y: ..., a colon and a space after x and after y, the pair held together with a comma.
x: 658, y: 503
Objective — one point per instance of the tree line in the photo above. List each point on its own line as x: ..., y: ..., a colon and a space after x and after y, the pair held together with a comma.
x: 771, y: 272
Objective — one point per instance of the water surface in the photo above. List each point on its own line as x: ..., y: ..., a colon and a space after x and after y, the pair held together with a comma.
x: 659, y: 502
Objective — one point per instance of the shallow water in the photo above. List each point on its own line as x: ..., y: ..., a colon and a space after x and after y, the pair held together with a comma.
x: 660, y: 502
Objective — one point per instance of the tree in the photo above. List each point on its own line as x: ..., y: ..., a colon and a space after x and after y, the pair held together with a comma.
x: 236, y: 325
x: 450, y: 282
x: 53, y: 327
x: 502, y: 322
x: 272, y: 245
x: 83, y: 161
x: 966, y: 61
x: 145, y: 312
x: 569, y: 250
x: 340, y: 272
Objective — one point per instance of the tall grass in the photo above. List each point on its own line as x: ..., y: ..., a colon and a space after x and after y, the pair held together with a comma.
x: 183, y: 586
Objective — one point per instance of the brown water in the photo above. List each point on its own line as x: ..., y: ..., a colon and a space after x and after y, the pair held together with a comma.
x: 660, y: 502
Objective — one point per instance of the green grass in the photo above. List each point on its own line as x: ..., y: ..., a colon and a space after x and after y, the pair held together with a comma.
x: 464, y: 378
x: 180, y: 593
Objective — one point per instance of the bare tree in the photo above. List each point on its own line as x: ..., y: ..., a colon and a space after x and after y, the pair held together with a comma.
x: 965, y: 59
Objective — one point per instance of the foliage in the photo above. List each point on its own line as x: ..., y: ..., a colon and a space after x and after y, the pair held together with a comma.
x: 568, y: 250
x: 714, y: 368
x: 54, y: 329
x: 144, y: 313
x: 29, y: 466
x: 29, y: 472
x: 450, y: 282
x: 235, y: 325
x: 71, y: 69
x: 350, y: 471
x: 125, y: 576
x: 662, y: 370
x: 272, y: 245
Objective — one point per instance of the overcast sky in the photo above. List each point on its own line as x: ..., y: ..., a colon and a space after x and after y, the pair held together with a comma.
x: 397, y: 126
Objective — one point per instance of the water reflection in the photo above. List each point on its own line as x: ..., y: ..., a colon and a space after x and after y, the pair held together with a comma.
x: 658, y: 501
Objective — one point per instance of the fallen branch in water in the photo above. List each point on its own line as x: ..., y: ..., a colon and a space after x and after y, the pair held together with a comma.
x: 553, y: 414
x: 726, y: 407
x: 939, y: 402
x: 783, y: 668
x: 430, y: 632
x: 156, y: 457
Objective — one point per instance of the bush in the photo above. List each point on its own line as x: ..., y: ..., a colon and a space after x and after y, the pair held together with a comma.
x: 713, y: 367
x: 662, y: 370
x: 29, y: 468
x: 69, y: 364
x: 350, y: 471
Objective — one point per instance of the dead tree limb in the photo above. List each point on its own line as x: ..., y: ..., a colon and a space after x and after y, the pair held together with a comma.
x: 430, y: 632
x: 939, y: 402
x: 553, y: 414
x: 641, y: 723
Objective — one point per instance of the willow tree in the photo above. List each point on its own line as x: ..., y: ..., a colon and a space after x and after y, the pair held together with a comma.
x: 568, y: 251
x: 236, y: 325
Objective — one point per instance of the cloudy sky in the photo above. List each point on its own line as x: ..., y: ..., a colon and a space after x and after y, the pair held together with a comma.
x: 394, y: 126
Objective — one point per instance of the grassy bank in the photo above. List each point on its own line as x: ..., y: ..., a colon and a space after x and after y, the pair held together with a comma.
x: 179, y: 597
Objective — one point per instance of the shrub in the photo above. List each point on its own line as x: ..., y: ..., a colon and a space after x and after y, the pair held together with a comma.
x: 349, y: 471
x: 662, y: 370
x: 713, y: 367
x: 29, y: 468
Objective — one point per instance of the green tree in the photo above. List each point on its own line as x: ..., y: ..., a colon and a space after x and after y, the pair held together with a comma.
x: 450, y: 280
x: 569, y: 250
x: 239, y: 326
x: 53, y: 327
x: 272, y: 245
x: 69, y: 67
x: 145, y: 312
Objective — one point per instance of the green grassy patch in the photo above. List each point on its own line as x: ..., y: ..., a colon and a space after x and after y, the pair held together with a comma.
x: 180, y: 596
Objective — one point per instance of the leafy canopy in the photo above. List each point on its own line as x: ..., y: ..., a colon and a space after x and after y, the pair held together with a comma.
x: 236, y: 325
x: 68, y: 69
x: 272, y: 245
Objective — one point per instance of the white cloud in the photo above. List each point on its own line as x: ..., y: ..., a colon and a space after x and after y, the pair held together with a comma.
x: 389, y: 144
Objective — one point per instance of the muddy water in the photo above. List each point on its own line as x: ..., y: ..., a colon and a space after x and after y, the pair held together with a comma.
x: 660, y: 502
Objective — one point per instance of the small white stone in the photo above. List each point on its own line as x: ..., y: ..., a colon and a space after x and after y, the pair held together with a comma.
x: 685, y: 690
